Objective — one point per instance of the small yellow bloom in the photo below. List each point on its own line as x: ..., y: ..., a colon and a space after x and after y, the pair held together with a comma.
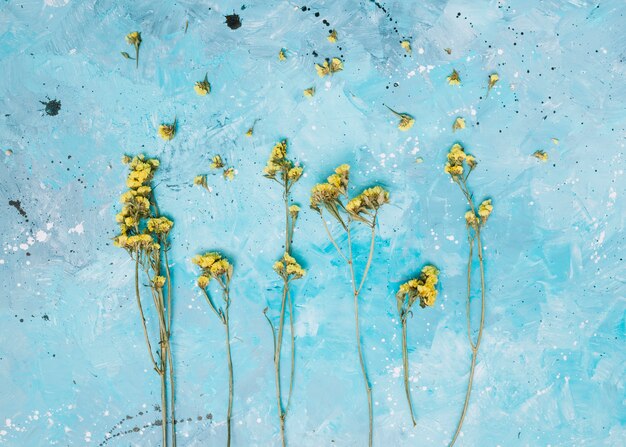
x: 332, y: 37
x: 203, y: 88
x: 217, y: 162
x: 203, y: 281
x: 167, y: 131
x: 419, y: 160
x: 282, y: 54
x: 454, y: 78
x: 471, y: 161
x: 249, y: 132
x: 458, y: 124
x: 229, y: 173
x: 322, y: 70
x: 309, y: 92
x: 220, y: 267
x: 200, y: 180
x: 126, y: 159
x: 160, y: 225
x: 158, y: 281
x: 336, y: 65
x: 493, y: 79
x: 555, y: 141
x: 134, y: 38
x: 294, y: 210
x: 406, y: 45
x: 541, y: 155
x: 406, y: 120
x: 471, y: 219
x: 327, y: 68
x: 485, y: 209
x: 294, y: 173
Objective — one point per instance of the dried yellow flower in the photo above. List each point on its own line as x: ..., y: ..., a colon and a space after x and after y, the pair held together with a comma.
x: 493, y: 79
x: 406, y: 45
x: 229, y: 173
x: 217, y: 162
x: 458, y: 124
x: 282, y: 54
x: 332, y: 37
x: 167, y: 131
x: 485, y: 209
x: 541, y: 155
x: 454, y: 78
x: 158, y: 281
x: 309, y: 92
x: 203, y: 281
x: 406, y: 120
x: 203, y: 88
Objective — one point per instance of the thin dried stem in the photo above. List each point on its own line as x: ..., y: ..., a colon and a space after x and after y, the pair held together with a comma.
x: 405, y: 365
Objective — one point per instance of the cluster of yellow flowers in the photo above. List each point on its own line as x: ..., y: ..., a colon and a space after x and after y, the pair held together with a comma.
x: 328, y: 68
x: 278, y: 163
x: 369, y: 200
x: 135, y: 232
x: 424, y: 288
x: 288, y: 268
x: 457, y: 159
x: 214, y: 266
x: 328, y: 193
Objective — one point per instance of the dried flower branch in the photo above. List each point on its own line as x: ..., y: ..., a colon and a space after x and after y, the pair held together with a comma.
x: 363, y: 208
x: 203, y: 87
x: 144, y: 235
x: 424, y: 289
x: 282, y: 170
x: 133, y: 39
x: 406, y: 120
x: 215, y: 267
x: 460, y: 165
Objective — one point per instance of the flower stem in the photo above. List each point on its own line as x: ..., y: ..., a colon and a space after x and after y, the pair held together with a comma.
x: 368, y: 386
x: 143, y: 318
x: 230, y: 367
x: 405, y: 364
x: 279, y: 344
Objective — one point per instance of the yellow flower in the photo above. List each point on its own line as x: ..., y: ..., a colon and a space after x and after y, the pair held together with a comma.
x: 294, y: 210
x: 355, y: 205
x: 485, y: 209
x: 336, y: 65
x: 332, y: 37
x: 323, y: 193
x: 282, y: 54
x: 158, y: 281
x: 160, y: 225
x: 471, y: 161
x: 249, y: 132
x: 406, y: 45
x: 134, y: 38
x: 541, y: 155
x: 200, y: 180
x: 203, y: 88
x: 126, y: 159
x: 453, y: 170
x: 493, y: 79
x: 454, y: 78
x: 217, y: 162
x: 334, y: 180
x: 120, y: 240
x: 288, y: 268
x: 167, y: 131
x: 279, y: 267
x: 220, y: 267
x: 471, y: 219
x: 375, y: 197
x: 203, y: 281
x: 130, y: 221
x: 139, y: 241
x: 555, y: 141
x: 406, y: 120
x: 229, y: 173
x: 343, y: 169
x: 294, y: 173
x: 458, y: 124
x: 309, y: 92
x: 206, y: 260
x: 322, y: 70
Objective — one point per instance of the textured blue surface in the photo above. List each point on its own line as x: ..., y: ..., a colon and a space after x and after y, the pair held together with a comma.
x: 552, y: 365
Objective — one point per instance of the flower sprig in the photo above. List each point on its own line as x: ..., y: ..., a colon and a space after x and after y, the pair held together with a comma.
x: 423, y: 290
x: 282, y: 170
x: 363, y: 208
x: 459, y: 166
x: 144, y: 234
x: 215, y: 267
x: 133, y: 39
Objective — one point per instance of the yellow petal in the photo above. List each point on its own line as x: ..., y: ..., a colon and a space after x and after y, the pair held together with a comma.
x: 406, y: 45
x: 282, y: 55
x: 541, y: 155
x: 332, y: 37
x: 493, y: 79
x: 458, y: 124
x: 454, y: 78
x: 309, y: 92
x: 555, y: 141
x: 336, y: 65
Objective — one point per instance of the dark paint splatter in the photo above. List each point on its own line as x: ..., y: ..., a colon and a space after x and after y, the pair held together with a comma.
x: 233, y: 21
x: 53, y: 106
x: 18, y: 206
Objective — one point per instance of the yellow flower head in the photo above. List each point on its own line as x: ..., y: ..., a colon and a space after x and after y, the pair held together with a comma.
x: 322, y: 70
x: 454, y: 78
x: 206, y: 260
x: 332, y: 37
x: 282, y: 54
x: 423, y: 288
x: 327, y: 68
x: 336, y: 65
x: 406, y: 120
x: 471, y: 220
x: 485, y: 209
x: 126, y: 159
x: 458, y: 124
x: 229, y: 173
x: 294, y: 173
x: 160, y: 225
x: 203, y: 87
x: 323, y: 193
x: 541, y: 155
x: 203, y: 281
x: 213, y: 265
x: 493, y: 79
x: 294, y: 210
x: 406, y: 45
x: 200, y: 180
x: 158, y: 281
x: 309, y: 92
x: 220, y: 267
x: 288, y: 268
x: 167, y: 131
x: 134, y: 38
x: 456, y: 160
x: 217, y: 162
x: 375, y: 197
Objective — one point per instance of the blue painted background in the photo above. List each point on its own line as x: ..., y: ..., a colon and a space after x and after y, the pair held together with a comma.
x: 551, y: 368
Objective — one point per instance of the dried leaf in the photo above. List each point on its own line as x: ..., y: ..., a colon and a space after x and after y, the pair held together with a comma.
x: 448, y: 50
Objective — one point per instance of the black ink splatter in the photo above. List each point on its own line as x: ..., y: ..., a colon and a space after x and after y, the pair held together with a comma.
x: 233, y: 21
x: 52, y: 106
x: 18, y: 206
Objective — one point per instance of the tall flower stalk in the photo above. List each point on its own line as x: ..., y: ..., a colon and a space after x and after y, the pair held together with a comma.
x: 460, y: 165
x: 282, y: 170
x: 144, y: 234
x: 422, y: 288
x: 216, y: 267
x: 363, y: 208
